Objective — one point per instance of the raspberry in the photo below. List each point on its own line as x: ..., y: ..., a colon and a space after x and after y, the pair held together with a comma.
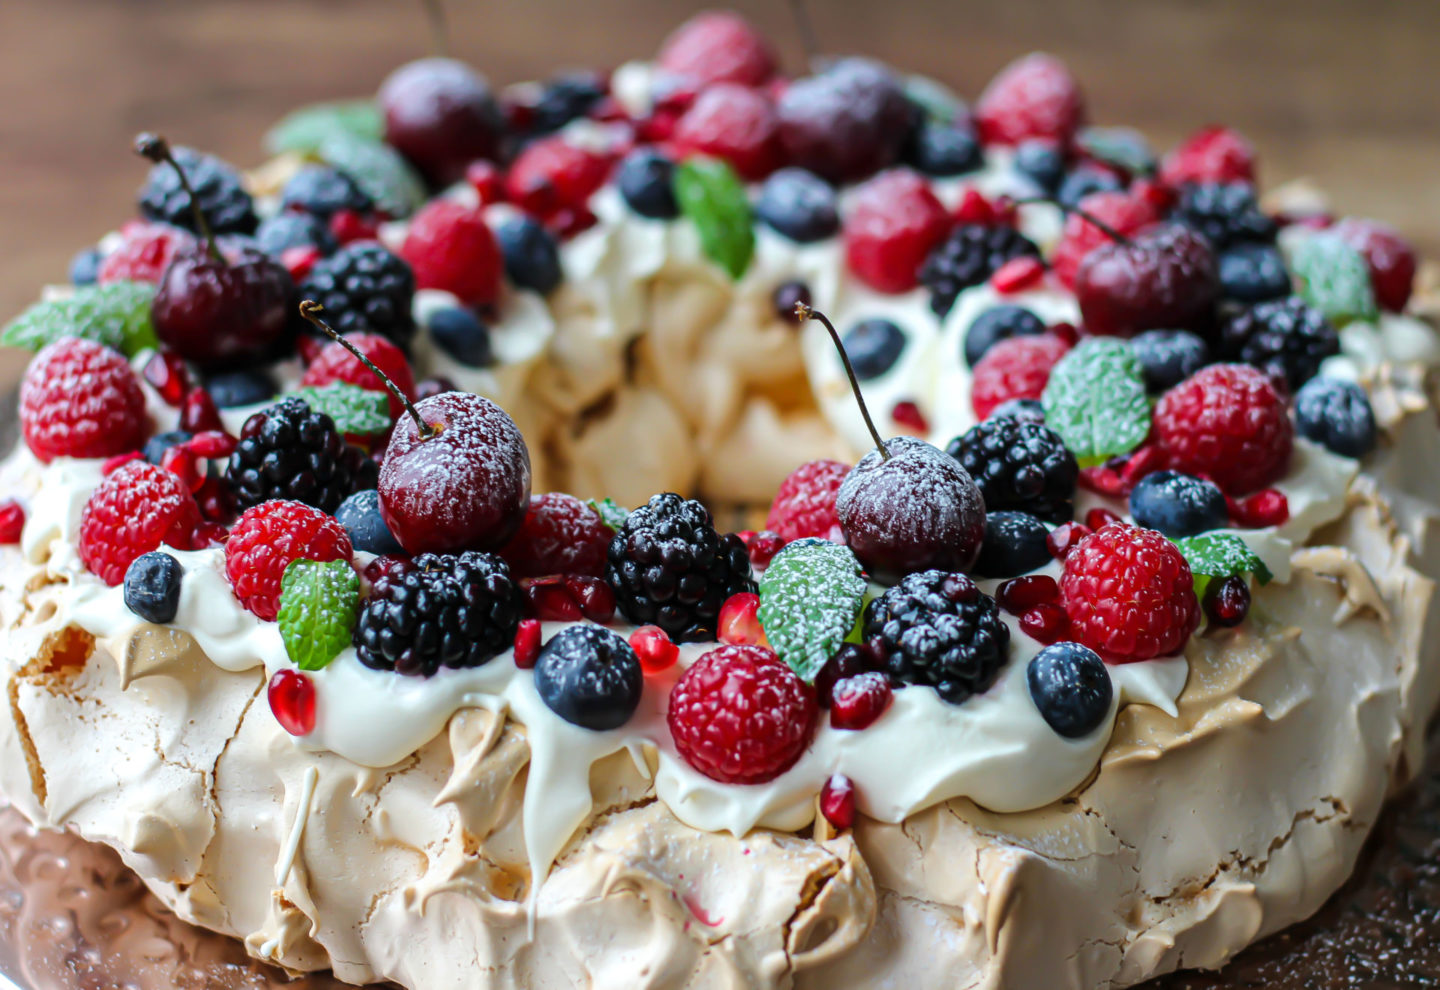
x: 290, y: 452
x: 560, y: 535
x: 1390, y: 257
x: 227, y: 206
x: 450, y: 247
x: 1018, y: 368
x: 1129, y: 594
x: 735, y: 123
x: 805, y: 504
x: 1021, y: 466
x: 1226, y: 423
x: 1124, y: 213
x: 1215, y: 154
x: 80, y: 399
x: 336, y: 364
x: 718, y: 46
x: 1284, y: 337
x: 144, y: 254
x: 364, y: 287
x: 1226, y: 213
x: 894, y: 223
x: 266, y: 538
x: 552, y: 175
x: 1032, y: 97
x: 969, y: 256
x: 741, y: 716
x: 135, y: 509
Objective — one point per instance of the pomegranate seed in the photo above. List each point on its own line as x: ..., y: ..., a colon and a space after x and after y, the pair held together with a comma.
x: 850, y: 660
x: 1100, y: 517
x: 298, y: 260
x: 656, y: 650
x: 209, y: 534
x: 198, y: 414
x: 1045, y: 623
x: 1267, y: 507
x: 119, y: 461
x: 216, y: 501
x: 1067, y: 332
x: 1118, y: 476
x: 427, y: 387
x: 348, y: 225
x: 856, y: 702
x: 527, y: 643
x: 595, y: 598
x: 292, y: 701
x: 567, y: 222
x: 182, y: 463
x: 908, y: 416
x: 1062, y: 538
x: 837, y: 801
x: 309, y: 348
x: 382, y: 566
x: 974, y: 208
x: 12, y: 521
x: 1023, y: 593
x: 548, y: 599
x: 212, y: 444
x: 1017, y: 274
x: 485, y: 179
x: 167, y: 375
x: 762, y: 546
x: 739, y: 623
x: 1227, y: 601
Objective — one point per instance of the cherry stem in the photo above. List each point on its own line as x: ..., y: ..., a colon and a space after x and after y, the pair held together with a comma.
x: 806, y: 28
x: 310, y: 309
x: 1089, y: 218
x: 157, y: 149
x: 439, y: 33
x: 804, y: 312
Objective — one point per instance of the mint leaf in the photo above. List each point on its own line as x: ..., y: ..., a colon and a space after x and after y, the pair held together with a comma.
x: 610, y: 513
x: 713, y: 197
x: 354, y: 409
x: 936, y: 101
x: 1096, y: 400
x: 304, y: 130
x: 116, y: 315
x: 810, y: 597
x: 1220, y: 555
x: 378, y: 168
x: 318, y: 605
x: 1334, y: 279
x: 1122, y: 146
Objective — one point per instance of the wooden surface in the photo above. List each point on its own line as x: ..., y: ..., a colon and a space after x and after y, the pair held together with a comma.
x: 1345, y: 92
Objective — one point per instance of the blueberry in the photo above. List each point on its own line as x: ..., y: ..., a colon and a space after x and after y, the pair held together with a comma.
x: 152, y: 586
x: 240, y: 388
x: 590, y: 677
x: 646, y: 180
x: 459, y: 333
x: 1026, y: 410
x: 1168, y: 357
x: 324, y: 191
x: 1252, y: 273
x: 799, y: 204
x: 874, y: 346
x: 157, y: 445
x: 1084, y: 180
x: 1337, y: 414
x: 565, y: 98
x: 996, y: 324
x: 360, y: 515
x: 1042, y: 162
x: 1178, y: 504
x: 290, y: 230
x: 1014, y: 544
x: 85, y: 267
x: 1071, y: 687
x: 944, y: 149
x: 532, y: 258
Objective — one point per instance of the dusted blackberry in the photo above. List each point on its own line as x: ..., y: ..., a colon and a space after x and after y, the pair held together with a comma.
x: 226, y: 205
x: 364, y: 288
x: 323, y: 191
x: 669, y: 567
x: 1225, y: 213
x: 439, y: 610
x: 1284, y: 337
x: 937, y: 628
x: 289, y: 451
x: 968, y: 257
x: 1019, y: 465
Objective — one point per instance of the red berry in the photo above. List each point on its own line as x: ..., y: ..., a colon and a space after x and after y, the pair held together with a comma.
x: 894, y: 222
x: 1017, y: 275
x: 292, y: 701
x: 560, y: 535
x: 837, y: 801
x: 1023, y: 593
x: 552, y: 175
x: 12, y: 521
x: 739, y: 622
x: 1164, y: 278
x: 485, y: 178
x: 1267, y: 507
x: 763, y: 546
x: 80, y: 399
x: 450, y: 247
x: 856, y: 702
x: 656, y: 650
x: 1065, y: 537
x: 133, y: 511
x: 336, y: 364
x: 1032, y: 97
x: 1227, y: 601
x: 1391, y: 259
x: 440, y: 114
x: 1123, y: 212
x: 166, y: 374
x: 741, y: 716
x: 267, y: 538
x: 1017, y: 368
x: 805, y: 504
x: 1045, y: 623
x: 735, y: 123
x: 718, y: 46
x: 219, y: 313
x: 1215, y: 154
x: 1129, y: 594
x: 1227, y: 423
x: 385, y: 565
x: 527, y: 643
x: 144, y: 254
x: 908, y: 417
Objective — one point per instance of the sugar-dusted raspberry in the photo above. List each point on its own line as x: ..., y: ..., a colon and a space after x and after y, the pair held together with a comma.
x: 560, y: 535
x: 264, y: 542
x: 805, y: 504
x: 718, y: 46
x: 1214, y: 154
x: 552, y: 175
x: 80, y: 399
x: 136, y: 508
x: 1227, y: 423
x: 1018, y: 368
x: 895, y: 220
x: 1123, y: 212
x: 1032, y: 97
x: 450, y: 247
x: 1129, y: 594
x: 1390, y: 258
x: 336, y: 364
x: 735, y: 123
x: 144, y: 253
x: 741, y: 716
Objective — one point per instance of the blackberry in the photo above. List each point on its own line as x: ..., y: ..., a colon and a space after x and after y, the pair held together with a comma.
x: 364, y: 288
x: 996, y: 324
x: 1337, y: 414
x: 228, y: 208
x: 1019, y: 465
x: 1224, y: 213
x: 1014, y: 544
x: 937, y: 628
x: 1284, y: 338
x: 590, y: 677
x: 439, y: 610
x: 968, y: 257
x: 669, y: 567
x: 1168, y: 357
x: 563, y: 99
x: 289, y: 451
x: 323, y: 191
x: 1251, y: 273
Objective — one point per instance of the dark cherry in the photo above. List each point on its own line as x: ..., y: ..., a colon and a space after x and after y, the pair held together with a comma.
x: 1164, y: 278
x: 441, y: 115
x: 847, y: 122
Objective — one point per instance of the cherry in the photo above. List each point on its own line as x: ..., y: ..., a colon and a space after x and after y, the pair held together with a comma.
x: 292, y: 701
x: 441, y: 115
x: 847, y: 122
x: 837, y: 801
x: 1163, y: 278
x: 1390, y: 257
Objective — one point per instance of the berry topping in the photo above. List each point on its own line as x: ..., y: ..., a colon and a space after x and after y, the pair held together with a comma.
x: 968, y: 256
x: 565, y: 98
x: 1215, y: 154
x: 937, y: 628
x: 441, y: 115
x: 944, y: 149
x: 1226, y: 213
x: 1178, y: 505
x: 1017, y: 275
x: 336, y: 363
x: 267, y: 538
x: 1129, y: 594
x: 1336, y: 414
x: 322, y: 191
x: 560, y: 535
x: 739, y: 622
x: 552, y: 176
x: 1014, y: 544
x: 762, y: 546
x: 1163, y: 278
x: 718, y: 46
x: 996, y: 324
x: 799, y: 204
x: 360, y: 515
x: 1284, y: 338
x: 1018, y: 368
x: 873, y: 346
x: 450, y: 247
x: 292, y: 701
x: 735, y: 123
x: 590, y: 677
x: 1032, y: 97
x: 669, y: 567
x: 232, y: 389
x: 461, y: 334
x: 289, y: 451
x: 1334, y: 277
x: 1021, y: 594
x: 222, y: 198
x: 805, y: 504
x: 857, y: 702
x: 1168, y: 357
x: 1045, y: 623
x: 1227, y: 601
x: 851, y: 659
x: 136, y: 508
x: 1019, y: 465
x: 152, y: 586
x: 364, y: 288
x: 740, y: 716
x: 894, y: 223
x: 532, y: 258
x: 655, y: 649
x: 1071, y: 688
x: 1123, y: 213
x: 1226, y: 423
x: 1251, y: 273
x: 646, y: 179
x: 847, y: 122
x: 80, y: 399
x: 1390, y: 258
x: 569, y: 599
